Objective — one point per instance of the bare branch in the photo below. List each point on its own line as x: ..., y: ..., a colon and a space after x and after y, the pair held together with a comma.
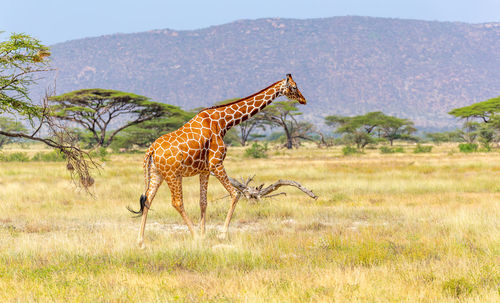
x: 257, y: 193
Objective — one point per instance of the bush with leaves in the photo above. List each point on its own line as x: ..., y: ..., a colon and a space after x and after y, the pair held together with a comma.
x: 391, y: 150
x: 349, y: 150
x: 468, y: 147
x: 100, y: 152
x: 422, y: 149
x: 257, y: 150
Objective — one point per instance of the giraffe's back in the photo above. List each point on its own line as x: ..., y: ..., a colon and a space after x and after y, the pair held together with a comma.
x: 184, y: 152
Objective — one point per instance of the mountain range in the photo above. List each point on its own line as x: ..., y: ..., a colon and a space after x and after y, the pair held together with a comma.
x: 350, y: 65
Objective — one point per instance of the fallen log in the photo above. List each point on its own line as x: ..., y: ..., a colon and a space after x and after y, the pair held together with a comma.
x: 259, y: 192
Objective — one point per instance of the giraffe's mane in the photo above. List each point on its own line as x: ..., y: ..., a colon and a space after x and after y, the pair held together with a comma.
x: 242, y: 99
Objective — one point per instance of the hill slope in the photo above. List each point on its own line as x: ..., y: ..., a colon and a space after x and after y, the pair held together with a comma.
x: 343, y: 65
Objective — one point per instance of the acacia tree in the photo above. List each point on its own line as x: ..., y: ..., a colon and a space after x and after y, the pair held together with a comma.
x: 96, y: 109
x: 360, y: 129
x: 355, y: 129
x: 487, y: 112
x: 21, y: 58
x: 303, y: 131
x: 484, y: 111
x: 282, y: 114
x: 469, y: 131
x: 393, y: 128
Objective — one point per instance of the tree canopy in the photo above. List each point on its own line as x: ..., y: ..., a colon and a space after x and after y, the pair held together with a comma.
x: 487, y: 112
x: 145, y: 133
x: 95, y: 110
x: 393, y: 128
x: 21, y: 57
x: 484, y: 110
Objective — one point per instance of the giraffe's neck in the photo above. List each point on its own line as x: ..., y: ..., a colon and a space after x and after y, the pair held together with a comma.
x: 242, y: 110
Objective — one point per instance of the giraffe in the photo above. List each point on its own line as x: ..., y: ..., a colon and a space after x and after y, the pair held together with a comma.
x: 197, y: 148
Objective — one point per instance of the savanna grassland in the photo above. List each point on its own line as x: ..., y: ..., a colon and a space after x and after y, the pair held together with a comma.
x: 386, y: 228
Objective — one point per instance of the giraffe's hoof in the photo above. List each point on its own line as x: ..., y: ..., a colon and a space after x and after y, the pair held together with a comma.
x: 222, y: 235
x: 141, y: 244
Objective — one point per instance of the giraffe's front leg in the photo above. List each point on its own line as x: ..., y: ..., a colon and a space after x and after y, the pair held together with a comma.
x: 221, y: 175
x: 203, y: 200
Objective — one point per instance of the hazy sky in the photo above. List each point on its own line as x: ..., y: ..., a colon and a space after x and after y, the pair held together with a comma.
x: 55, y: 21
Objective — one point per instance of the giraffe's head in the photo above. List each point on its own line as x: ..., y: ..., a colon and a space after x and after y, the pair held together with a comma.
x: 291, y: 91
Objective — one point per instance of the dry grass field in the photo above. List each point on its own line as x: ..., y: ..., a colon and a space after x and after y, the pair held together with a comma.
x: 386, y: 228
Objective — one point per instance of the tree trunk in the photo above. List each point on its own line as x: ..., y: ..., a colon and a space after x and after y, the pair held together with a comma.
x: 289, y: 141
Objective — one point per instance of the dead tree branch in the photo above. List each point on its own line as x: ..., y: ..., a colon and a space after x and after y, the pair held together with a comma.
x: 259, y: 192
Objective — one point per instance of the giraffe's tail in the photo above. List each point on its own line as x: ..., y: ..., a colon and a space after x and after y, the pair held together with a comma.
x: 147, y: 177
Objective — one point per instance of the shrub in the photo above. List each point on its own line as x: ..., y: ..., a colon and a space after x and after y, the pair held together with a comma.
x: 467, y: 147
x: 349, y: 150
x: 15, y: 157
x: 256, y: 151
x: 391, y: 150
x: 99, y: 152
x: 422, y: 149
x: 53, y: 156
x: 486, y: 147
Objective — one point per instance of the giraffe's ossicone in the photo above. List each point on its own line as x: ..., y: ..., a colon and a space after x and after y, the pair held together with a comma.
x: 197, y: 148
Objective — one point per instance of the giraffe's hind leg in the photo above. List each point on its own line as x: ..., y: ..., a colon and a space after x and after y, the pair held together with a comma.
x: 154, y: 183
x: 175, y: 185
x: 203, y: 200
